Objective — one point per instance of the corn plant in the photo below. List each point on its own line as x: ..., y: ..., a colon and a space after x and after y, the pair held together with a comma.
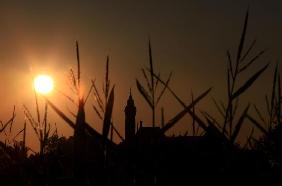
x: 104, y: 105
x: 269, y: 124
x: 9, y: 122
x: 23, y: 149
x: 266, y: 123
x: 80, y: 124
x: 236, y: 66
x: 187, y: 109
x: 40, y: 126
x: 18, y: 149
x: 150, y: 95
x: 4, y: 127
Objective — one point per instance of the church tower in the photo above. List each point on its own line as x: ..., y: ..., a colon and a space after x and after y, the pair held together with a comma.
x: 130, y: 112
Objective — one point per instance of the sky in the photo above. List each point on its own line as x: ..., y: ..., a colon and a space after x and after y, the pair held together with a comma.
x: 188, y: 37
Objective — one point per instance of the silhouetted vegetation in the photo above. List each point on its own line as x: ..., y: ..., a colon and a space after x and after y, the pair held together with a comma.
x: 146, y: 155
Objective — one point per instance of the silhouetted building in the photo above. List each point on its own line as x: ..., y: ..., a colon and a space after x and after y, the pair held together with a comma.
x: 130, y: 112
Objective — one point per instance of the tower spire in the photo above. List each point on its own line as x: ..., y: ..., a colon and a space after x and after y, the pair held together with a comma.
x: 130, y: 112
x: 130, y: 91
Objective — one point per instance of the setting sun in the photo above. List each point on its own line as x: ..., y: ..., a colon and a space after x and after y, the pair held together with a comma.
x: 43, y: 84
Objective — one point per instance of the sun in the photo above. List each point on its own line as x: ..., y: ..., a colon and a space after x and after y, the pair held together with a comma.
x: 43, y: 84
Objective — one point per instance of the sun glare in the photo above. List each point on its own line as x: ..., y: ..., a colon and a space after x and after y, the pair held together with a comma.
x: 43, y: 84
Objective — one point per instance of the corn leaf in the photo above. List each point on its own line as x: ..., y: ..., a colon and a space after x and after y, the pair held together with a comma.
x: 257, y: 124
x: 88, y: 94
x: 61, y: 114
x: 13, y: 117
x: 248, y: 83
x: 97, y: 112
x: 98, y: 97
x: 273, y: 90
x: 218, y: 108
x: 207, y: 115
x: 239, y: 125
x: 108, y: 114
x: 107, y: 84
x: 144, y: 93
x: 279, y: 99
x: 78, y: 66
x: 117, y: 132
x: 259, y: 114
x: 164, y: 88
x: 147, y: 79
x: 186, y: 110
x: 252, y: 61
x: 248, y: 51
x: 243, y: 35
x: 88, y: 128
x: 151, y: 66
x: 230, y: 62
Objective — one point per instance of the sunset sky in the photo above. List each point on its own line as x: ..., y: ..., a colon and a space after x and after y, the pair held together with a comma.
x: 189, y: 38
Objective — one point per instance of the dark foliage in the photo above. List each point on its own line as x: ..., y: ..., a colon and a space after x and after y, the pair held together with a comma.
x: 149, y: 156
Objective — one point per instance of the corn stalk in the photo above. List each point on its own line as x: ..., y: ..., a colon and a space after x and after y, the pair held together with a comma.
x: 104, y: 104
x: 236, y: 66
x: 150, y: 94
